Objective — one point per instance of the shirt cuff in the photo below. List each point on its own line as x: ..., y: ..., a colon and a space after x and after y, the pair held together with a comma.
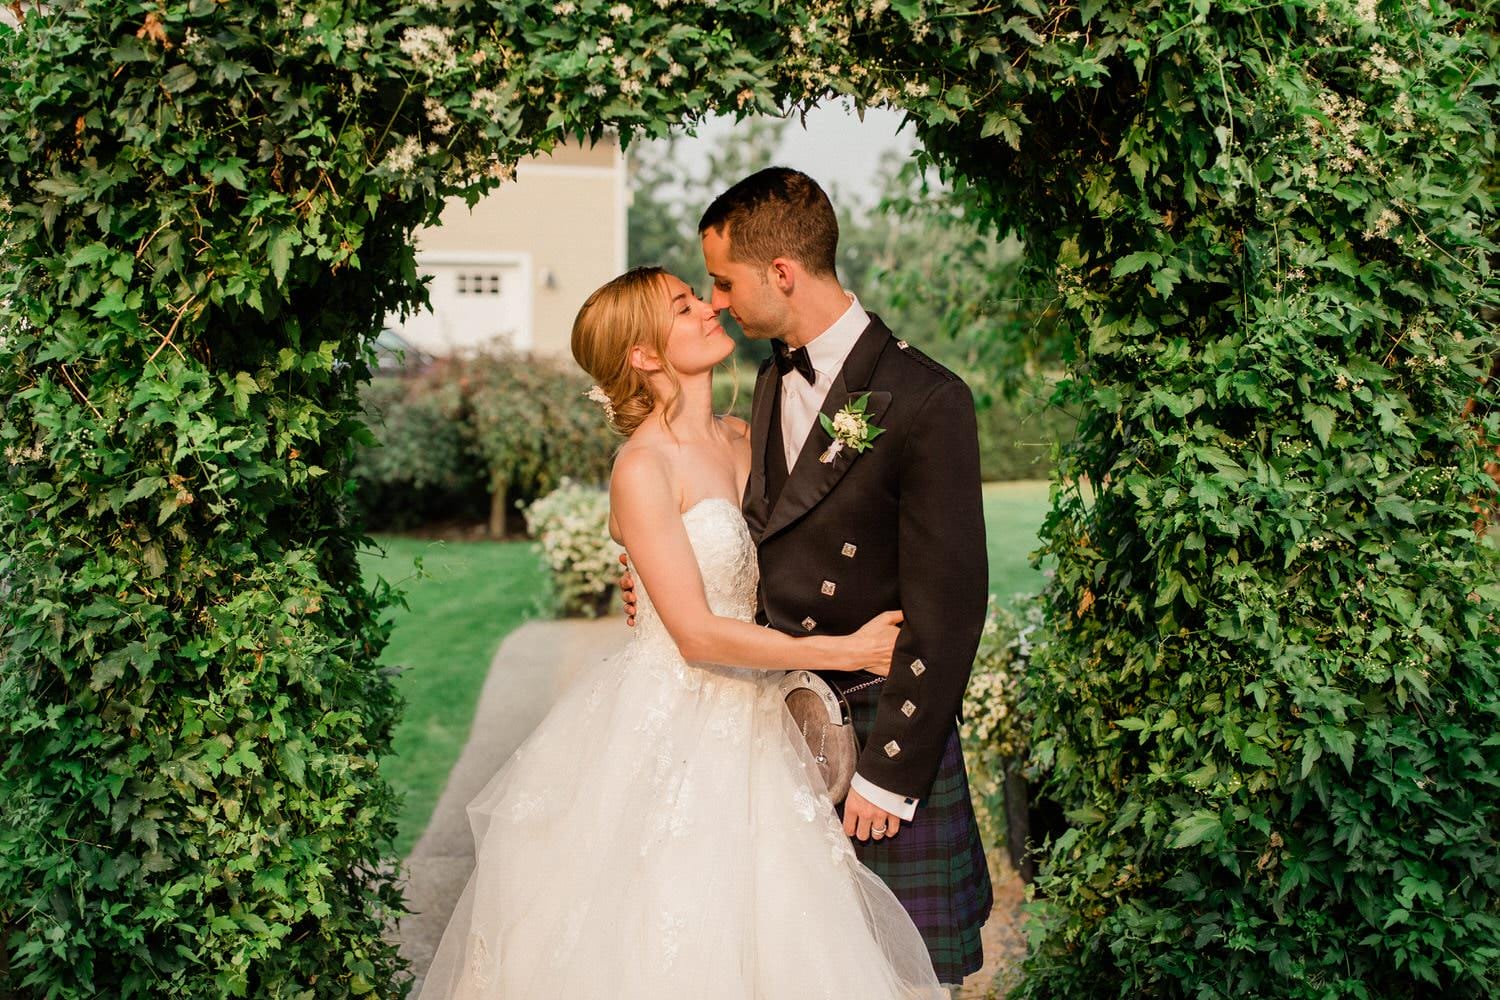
x: 899, y: 806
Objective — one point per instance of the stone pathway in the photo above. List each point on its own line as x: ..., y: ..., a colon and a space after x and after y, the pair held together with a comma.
x: 532, y: 666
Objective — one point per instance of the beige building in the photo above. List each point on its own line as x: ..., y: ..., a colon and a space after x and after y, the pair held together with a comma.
x: 513, y: 270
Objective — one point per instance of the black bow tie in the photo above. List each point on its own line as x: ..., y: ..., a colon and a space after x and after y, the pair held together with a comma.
x: 793, y: 360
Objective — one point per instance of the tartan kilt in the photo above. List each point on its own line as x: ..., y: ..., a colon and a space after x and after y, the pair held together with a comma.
x: 935, y: 865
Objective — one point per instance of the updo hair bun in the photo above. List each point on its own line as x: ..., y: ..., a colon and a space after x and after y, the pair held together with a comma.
x: 629, y: 311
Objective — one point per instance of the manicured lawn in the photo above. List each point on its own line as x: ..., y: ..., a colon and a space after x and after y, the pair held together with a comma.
x: 472, y: 596
x: 1013, y: 513
x: 475, y: 593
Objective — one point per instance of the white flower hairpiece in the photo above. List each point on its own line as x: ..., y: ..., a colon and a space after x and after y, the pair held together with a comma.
x: 601, y: 397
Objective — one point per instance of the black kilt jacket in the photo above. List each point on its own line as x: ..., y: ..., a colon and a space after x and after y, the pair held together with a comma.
x: 899, y: 526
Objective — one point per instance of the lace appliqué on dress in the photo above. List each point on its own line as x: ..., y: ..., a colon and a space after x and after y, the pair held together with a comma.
x: 479, y: 962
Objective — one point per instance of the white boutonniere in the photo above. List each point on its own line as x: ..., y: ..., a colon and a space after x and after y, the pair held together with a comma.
x: 849, y: 428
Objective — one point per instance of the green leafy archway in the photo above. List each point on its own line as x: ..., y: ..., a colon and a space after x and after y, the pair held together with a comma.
x: 1270, y: 704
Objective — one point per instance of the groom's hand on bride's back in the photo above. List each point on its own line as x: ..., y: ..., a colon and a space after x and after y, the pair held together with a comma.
x: 627, y: 590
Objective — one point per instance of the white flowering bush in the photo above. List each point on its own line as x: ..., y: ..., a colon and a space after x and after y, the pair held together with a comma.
x: 996, y: 727
x: 572, y: 526
x: 995, y: 721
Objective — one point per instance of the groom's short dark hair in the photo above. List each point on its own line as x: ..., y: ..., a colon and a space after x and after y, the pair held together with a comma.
x: 776, y: 212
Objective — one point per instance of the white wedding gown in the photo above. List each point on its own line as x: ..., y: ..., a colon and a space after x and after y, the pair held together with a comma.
x: 663, y: 834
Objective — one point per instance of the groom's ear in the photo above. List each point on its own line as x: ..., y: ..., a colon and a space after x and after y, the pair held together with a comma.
x: 783, y: 274
x: 643, y: 360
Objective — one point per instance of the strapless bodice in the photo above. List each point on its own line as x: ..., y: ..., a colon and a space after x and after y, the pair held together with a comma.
x: 726, y: 561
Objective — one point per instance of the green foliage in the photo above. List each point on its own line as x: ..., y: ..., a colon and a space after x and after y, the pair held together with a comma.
x: 422, y: 465
x: 533, y: 426
x: 1018, y: 436
x: 1267, y: 229
x: 1270, y: 708
x: 494, y: 431
x: 191, y: 713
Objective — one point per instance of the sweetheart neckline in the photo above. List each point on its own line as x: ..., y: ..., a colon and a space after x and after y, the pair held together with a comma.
x: 700, y: 503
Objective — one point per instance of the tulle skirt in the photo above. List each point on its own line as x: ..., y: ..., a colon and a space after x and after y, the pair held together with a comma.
x: 665, y: 834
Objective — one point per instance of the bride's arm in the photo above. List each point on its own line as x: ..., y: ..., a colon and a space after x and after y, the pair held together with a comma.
x: 645, y: 509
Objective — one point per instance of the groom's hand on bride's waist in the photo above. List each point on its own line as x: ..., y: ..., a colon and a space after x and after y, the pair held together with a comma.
x: 867, y: 821
x: 627, y: 590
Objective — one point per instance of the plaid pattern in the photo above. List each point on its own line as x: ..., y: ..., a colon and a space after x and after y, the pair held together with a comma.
x: 935, y: 865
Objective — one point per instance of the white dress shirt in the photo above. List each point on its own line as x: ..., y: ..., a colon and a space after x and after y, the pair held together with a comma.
x: 800, y: 406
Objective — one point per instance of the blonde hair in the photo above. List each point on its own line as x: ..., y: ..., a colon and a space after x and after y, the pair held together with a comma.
x: 630, y: 311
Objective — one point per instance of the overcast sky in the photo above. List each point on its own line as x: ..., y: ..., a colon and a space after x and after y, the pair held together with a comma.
x: 835, y: 148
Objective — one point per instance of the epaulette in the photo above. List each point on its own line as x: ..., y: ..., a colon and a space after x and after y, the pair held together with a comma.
x: 924, y: 360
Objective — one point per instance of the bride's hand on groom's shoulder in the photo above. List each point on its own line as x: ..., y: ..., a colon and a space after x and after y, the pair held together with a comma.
x: 627, y: 590
x: 875, y: 643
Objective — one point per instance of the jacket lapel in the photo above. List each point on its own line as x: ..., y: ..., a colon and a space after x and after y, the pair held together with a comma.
x: 757, y: 503
x: 811, y: 480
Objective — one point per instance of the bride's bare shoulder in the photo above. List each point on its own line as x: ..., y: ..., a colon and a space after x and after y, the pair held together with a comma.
x: 642, y: 470
x: 739, y: 428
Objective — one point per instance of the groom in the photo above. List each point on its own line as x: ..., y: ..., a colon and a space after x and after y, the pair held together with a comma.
x: 846, y: 532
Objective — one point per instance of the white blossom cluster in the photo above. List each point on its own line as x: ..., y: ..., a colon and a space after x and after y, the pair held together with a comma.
x: 20, y: 456
x: 430, y: 47
x: 1380, y: 65
x: 402, y: 158
x: 572, y: 525
x: 850, y: 426
x: 1401, y: 111
x: 437, y: 116
x: 487, y: 101
x: 993, y: 715
x: 1382, y: 224
x: 478, y: 166
x: 1339, y: 146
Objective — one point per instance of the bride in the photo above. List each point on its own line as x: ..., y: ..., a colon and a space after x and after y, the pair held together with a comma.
x: 663, y: 833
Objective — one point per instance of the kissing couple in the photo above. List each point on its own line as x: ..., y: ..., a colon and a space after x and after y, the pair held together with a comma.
x: 668, y: 830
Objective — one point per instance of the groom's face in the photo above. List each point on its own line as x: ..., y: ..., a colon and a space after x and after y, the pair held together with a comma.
x: 745, y: 289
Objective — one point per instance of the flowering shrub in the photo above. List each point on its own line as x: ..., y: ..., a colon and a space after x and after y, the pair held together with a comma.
x: 995, y: 721
x: 996, y: 726
x: 572, y: 526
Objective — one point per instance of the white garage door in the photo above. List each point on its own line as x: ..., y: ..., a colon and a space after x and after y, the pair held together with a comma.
x: 479, y: 301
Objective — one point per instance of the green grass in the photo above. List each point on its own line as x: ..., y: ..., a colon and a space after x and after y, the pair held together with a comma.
x: 1013, y: 513
x: 474, y: 593
x: 471, y: 595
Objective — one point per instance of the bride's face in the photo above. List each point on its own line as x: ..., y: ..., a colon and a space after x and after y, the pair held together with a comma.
x: 695, y: 342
